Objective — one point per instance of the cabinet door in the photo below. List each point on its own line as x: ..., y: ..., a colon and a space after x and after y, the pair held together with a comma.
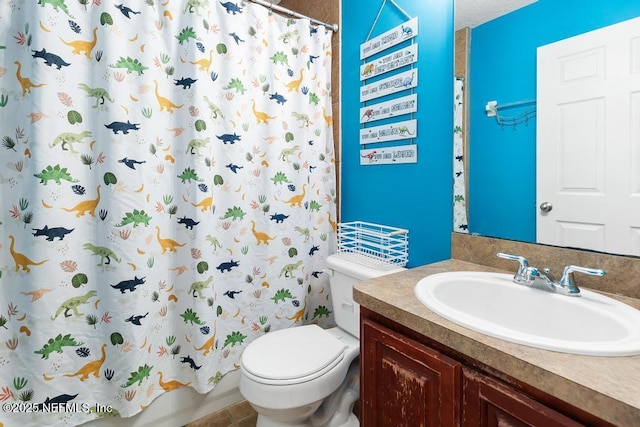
x: 490, y: 403
x: 404, y: 383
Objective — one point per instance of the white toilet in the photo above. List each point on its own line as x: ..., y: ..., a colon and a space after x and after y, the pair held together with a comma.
x: 308, y: 376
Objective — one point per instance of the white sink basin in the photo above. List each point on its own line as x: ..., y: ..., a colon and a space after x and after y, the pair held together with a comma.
x: 492, y: 304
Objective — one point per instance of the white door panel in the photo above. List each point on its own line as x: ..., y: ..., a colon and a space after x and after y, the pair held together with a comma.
x: 588, y: 140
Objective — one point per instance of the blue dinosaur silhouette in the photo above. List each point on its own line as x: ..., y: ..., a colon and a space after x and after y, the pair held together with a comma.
x: 234, y: 168
x: 58, y: 232
x: 231, y: 7
x: 131, y: 163
x: 50, y: 58
x: 278, y: 98
x: 122, y: 127
x: 126, y: 10
x: 188, y: 222
x: 229, y: 138
x: 185, y: 82
x: 129, y: 285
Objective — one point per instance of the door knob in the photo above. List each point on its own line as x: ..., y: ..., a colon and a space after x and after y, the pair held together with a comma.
x: 546, y: 207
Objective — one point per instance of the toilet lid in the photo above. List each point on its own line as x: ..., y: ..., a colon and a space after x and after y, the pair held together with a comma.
x: 292, y: 353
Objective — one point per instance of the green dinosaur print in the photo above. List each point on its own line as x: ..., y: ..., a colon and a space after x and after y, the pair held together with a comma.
x: 186, y: 34
x: 72, y: 304
x: 286, y: 152
x: 69, y: 138
x: 138, y: 376
x: 136, y: 218
x: 234, y: 213
x: 288, y: 269
x: 189, y: 174
x: 103, y: 253
x: 190, y: 316
x: 303, y: 232
x: 279, y: 178
x: 57, y: 4
x: 313, y: 98
x: 458, y: 198
x: 195, y: 5
x: 280, y: 57
x: 286, y: 37
x: 56, y: 344
x: 282, y: 295
x: 196, y: 144
x: 236, y: 84
x: 301, y: 117
x: 314, y: 206
x: 234, y: 338
x: 197, y: 287
x: 321, y: 311
x: 98, y: 93
x: 55, y: 173
x: 130, y: 64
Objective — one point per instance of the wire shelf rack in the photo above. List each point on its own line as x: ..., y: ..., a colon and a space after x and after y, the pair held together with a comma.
x: 374, y: 245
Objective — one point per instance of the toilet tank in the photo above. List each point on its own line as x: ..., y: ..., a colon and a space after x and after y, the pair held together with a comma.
x: 345, y: 273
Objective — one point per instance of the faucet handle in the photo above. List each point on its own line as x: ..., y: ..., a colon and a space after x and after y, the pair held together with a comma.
x: 566, y: 281
x: 524, y: 264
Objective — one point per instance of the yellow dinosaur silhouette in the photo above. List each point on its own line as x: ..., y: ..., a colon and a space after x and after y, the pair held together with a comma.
x: 86, y: 206
x: 37, y: 294
x: 208, y: 345
x: 327, y: 118
x: 298, y: 316
x: 333, y: 224
x: 80, y: 46
x: 92, y: 367
x: 298, y: 198
x: 170, y: 385
x: 205, y: 204
x: 21, y: 260
x: 260, y: 115
x: 167, y: 244
x: 25, y: 82
x: 165, y: 103
x: 295, y: 84
x: 260, y: 236
x: 204, y: 64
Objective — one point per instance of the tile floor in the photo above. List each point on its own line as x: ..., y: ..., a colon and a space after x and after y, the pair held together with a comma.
x: 240, y: 414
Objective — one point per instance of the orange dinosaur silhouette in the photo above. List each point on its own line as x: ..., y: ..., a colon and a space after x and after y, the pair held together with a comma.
x: 299, y: 315
x: 21, y: 260
x: 167, y: 244
x: 208, y: 345
x: 205, y: 204
x: 295, y: 84
x: 25, y: 82
x: 37, y: 294
x: 91, y: 367
x: 260, y: 236
x: 80, y: 46
x: 204, y: 64
x: 86, y: 206
x: 165, y: 103
x: 170, y: 385
x: 261, y: 116
x: 298, y: 198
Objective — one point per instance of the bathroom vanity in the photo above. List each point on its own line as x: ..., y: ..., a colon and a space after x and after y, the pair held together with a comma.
x: 418, y: 368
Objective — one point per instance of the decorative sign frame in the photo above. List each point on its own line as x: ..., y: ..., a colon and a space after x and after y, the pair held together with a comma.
x: 398, y: 106
x: 391, y: 132
x: 395, y: 107
x: 389, y: 39
x: 396, y: 83
x: 390, y: 62
x: 389, y: 155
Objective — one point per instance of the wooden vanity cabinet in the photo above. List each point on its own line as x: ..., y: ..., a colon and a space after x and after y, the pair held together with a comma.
x: 407, y: 380
x: 405, y: 383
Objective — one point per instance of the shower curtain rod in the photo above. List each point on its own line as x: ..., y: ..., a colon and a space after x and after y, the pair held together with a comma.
x: 332, y: 27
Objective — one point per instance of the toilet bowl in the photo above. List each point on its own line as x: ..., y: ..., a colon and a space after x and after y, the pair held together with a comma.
x: 308, y: 376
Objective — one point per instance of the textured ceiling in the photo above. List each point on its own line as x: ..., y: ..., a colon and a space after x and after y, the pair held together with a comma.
x: 471, y: 13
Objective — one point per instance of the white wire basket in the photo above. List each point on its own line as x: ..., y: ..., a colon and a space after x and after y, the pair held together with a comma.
x: 374, y: 245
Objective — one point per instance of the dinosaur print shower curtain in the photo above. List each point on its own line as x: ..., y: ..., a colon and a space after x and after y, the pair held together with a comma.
x: 167, y: 196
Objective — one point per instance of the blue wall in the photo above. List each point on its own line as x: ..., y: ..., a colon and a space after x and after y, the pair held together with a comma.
x: 413, y: 196
x: 502, y: 188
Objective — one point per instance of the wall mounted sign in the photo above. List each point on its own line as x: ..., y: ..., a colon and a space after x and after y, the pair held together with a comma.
x: 389, y: 39
x: 393, y: 84
x: 395, y: 107
x: 389, y: 155
x: 390, y: 62
x: 390, y: 132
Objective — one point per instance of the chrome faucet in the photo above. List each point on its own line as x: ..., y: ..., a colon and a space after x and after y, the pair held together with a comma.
x: 531, y: 276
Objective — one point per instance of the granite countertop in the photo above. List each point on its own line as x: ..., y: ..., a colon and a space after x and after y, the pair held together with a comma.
x: 607, y: 387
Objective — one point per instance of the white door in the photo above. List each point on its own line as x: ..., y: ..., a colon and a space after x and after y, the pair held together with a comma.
x: 588, y: 140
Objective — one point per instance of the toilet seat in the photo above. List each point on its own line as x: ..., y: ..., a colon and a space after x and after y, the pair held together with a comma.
x: 293, y: 355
